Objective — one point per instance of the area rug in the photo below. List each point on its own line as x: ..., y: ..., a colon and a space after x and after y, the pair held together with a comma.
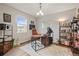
x: 52, y: 50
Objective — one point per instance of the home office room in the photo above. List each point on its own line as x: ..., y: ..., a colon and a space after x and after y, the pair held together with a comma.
x: 39, y: 29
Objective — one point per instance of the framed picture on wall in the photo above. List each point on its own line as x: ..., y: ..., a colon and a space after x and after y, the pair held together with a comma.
x: 6, y: 17
x: 31, y: 25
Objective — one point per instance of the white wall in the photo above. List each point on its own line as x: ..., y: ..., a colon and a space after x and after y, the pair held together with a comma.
x: 53, y: 19
x: 14, y: 15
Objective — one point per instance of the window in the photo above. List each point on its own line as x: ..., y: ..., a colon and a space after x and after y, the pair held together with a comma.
x: 42, y: 25
x: 21, y: 24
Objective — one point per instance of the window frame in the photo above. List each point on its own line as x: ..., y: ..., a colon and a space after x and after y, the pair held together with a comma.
x: 21, y: 24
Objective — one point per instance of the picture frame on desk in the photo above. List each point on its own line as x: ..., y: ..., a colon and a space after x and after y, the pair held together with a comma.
x: 6, y: 17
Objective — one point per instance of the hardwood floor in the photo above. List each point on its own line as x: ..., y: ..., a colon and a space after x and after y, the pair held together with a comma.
x: 16, y: 52
x: 19, y: 52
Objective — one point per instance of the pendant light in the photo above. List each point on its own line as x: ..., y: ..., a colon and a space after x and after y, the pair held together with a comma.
x: 40, y: 11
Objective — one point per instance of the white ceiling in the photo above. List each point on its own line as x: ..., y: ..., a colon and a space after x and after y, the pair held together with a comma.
x: 48, y: 8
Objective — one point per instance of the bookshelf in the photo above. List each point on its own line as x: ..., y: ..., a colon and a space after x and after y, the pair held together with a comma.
x: 69, y: 33
x: 75, y: 32
x: 64, y: 32
x: 6, y: 38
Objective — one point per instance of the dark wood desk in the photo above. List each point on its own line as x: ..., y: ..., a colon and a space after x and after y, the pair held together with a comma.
x: 46, y: 41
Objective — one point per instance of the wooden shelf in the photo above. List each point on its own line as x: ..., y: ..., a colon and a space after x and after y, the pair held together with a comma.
x: 65, y: 26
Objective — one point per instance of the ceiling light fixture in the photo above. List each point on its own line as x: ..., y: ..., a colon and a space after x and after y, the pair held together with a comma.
x: 40, y: 11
